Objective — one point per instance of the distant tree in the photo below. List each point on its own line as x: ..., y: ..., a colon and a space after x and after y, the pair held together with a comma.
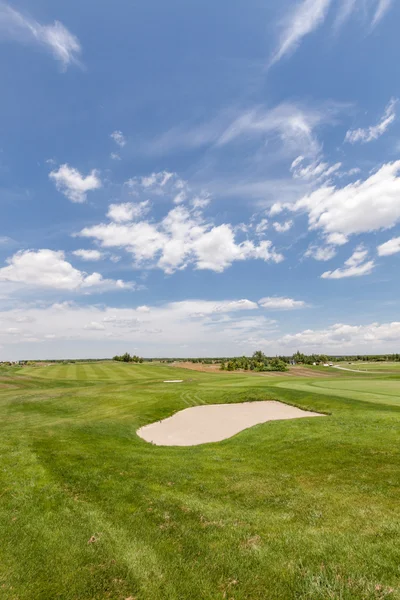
x: 277, y: 364
x: 259, y: 356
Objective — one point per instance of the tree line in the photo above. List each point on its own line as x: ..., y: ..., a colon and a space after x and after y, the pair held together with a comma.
x: 257, y: 362
x: 128, y: 358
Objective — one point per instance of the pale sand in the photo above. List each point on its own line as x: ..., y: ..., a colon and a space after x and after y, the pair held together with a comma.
x: 216, y: 422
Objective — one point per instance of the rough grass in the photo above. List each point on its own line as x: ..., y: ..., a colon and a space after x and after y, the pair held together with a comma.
x: 303, y: 509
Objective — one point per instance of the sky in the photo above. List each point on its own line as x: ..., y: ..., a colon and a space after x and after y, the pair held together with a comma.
x: 199, y: 178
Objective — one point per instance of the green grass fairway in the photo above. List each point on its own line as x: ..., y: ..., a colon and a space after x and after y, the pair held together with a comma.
x: 307, y: 509
x: 371, y: 367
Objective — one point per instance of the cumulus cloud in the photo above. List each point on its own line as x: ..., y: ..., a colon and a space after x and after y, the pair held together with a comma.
x: 355, y: 266
x: 390, y: 247
x: 359, y: 207
x: 153, y: 329
x: 118, y: 138
x: 261, y: 227
x: 128, y: 211
x: 94, y: 326
x: 48, y: 269
x: 90, y: 255
x: 322, y: 253
x: 181, y: 238
x: 346, y: 338
x: 281, y: 303
x: 336, y: 239
x: 73, y: 185
x: 56, y: 38
x: 374, y: 131
x: 201, y: 327
x: 282, y: 227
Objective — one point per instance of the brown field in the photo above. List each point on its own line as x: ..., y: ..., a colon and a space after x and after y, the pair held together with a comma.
x: 296, y: 371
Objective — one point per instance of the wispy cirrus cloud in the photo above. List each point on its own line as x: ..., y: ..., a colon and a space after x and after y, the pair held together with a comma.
x: 369, y: 134
x: 355, y: 266
x: 305, y: 17
x: 301, y: 20
x: 56, y: 38
x: 382, y: 8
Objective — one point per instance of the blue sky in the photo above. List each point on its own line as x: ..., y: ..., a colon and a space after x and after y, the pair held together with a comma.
x: 199, y: 178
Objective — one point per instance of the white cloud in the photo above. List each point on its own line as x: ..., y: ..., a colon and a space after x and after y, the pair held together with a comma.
x: 372, y: 11
x: 94, y: 326
x: 56, y: 38
x: 181, y: 238
x: 281, y: 303
x: 277, y: 208
x: 355, y: 266
x: 322, y: 253
x: 128, y: 211
x: 49, y: 269
x: 201, y: 327
x: 201, y: 201
x: 216, y: 249
x: 390, y: 247
x: 313, y: 171
x: 115, y: 156
x: 359, y: 207
x: 288, y: 128
x: 302, y: 20
x: 118, y: 138
x: 73, y: 185
x: 342, y: 337
x: 382, y: 8
x: 290, y: 124
x: 282, y: 227
x: 374, y: 131
x: 261, y: 227
x: 143, y: 309
x: 155, y: 180
x: 90, y: 255
x: 306, y: 16
x: 336, y: 239
x: 205, y: 326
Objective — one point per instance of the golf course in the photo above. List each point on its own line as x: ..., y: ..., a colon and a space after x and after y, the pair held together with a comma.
x: 307, y: 508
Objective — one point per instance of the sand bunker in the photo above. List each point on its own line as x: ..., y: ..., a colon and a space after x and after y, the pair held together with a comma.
x: 173, y: 381
x: 216, y: 422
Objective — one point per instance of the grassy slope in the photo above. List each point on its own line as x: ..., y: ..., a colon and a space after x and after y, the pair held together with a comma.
x: 292, y: 509
x: 372, y: 366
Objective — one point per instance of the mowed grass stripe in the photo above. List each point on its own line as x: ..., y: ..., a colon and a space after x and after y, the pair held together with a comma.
x: 377, y: 397
x: 288, y: 510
